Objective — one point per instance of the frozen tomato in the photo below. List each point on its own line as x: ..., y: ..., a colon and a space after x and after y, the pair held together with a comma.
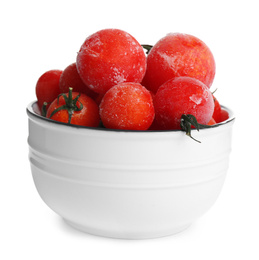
x: 182, y: 95
x: 71, y: 79
x: 109, y: 57
x: 127, y: 106
x: 47, y: 87
x: 74, y: 108
x: 179, y: 55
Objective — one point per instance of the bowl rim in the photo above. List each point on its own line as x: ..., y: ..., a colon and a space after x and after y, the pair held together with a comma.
x: 31, y: 112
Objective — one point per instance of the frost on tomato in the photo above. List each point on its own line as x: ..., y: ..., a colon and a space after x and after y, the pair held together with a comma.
x: 178, y: 55
x: 109, y: 57
x: 182, y: 96
x: 127, y: 106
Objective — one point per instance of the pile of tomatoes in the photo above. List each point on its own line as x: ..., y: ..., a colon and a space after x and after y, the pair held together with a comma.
x: 118, y: 83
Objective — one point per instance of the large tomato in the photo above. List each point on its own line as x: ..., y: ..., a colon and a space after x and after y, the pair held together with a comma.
x: 109, y: 57
x: 178, y: 55
x: 182, y: 96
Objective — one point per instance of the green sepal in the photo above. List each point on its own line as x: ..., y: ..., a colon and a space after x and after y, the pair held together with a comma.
x: 187, y: 121
x: 64, y: 107
x: 147, y: 47
x: 70, y: 104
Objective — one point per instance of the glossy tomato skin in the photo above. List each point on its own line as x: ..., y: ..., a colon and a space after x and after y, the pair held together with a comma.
x: 127, y: 106
x: 88, y: 116
x: 217, y: 110
x: 109, y: 57
x: 182, y: 95
x: 71, y: 79
x: 47, y: 87
x: 178, y: 55
x: 223, y: 115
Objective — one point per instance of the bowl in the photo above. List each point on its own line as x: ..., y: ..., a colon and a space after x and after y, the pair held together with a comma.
x: 127, y: 184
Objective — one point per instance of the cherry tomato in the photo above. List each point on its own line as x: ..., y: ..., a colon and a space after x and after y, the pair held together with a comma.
x: 74, y: 108
x: 109, y: 57
x: 217, y: 110
x: 178, y: 55
x: 182, y: 95
x: 127, y: 106
x: 223, y: 115
x: 47, y: 87
x: 71, y: 79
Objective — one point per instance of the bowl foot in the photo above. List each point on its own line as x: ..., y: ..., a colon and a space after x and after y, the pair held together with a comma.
x: 120, y: 234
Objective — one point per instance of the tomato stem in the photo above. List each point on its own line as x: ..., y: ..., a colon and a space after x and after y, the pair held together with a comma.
x: 147, y: 47
x: 44, y: 109
x: 187, y: 121
x: 213, y: 92
x: 70, y: 104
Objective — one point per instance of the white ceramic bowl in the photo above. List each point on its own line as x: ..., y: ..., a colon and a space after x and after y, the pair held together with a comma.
x: 127, y: 184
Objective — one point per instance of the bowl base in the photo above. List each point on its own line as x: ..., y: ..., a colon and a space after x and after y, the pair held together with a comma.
x: 126, y: 235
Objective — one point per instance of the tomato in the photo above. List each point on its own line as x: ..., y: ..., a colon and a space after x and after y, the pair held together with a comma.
x: 212, y: 121
x: 109, y: 57
x: 47, y: 87
x: 74, y: 108
x: 178, y: 55
x: 219, y: 114
x: 127, y: 106
x: 217, y: 110
x: 71, y: 79
x: 182, y: 95
x: 223, y: 115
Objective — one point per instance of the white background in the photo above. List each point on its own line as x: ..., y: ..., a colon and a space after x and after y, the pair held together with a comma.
x: 37, y: 36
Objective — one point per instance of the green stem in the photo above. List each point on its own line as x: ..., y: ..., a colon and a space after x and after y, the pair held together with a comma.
x: 147, y: 47
x: 70, y: 104
x: 187, y: 121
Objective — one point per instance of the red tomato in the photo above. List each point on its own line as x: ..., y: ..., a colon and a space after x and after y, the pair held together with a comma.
x: 47, y: 87
x: 127, y: 106
x: 217, y: 110
x: 74, y: 108
x: 109, y: 57
x: 71, y: 79
x: 182, y: 95
x: 178, y: 55
x: 223, y: 115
